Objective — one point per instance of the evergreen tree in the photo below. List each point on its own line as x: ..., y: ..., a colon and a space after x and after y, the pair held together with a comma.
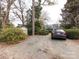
x: 70, y: 12
x: 38, y: 9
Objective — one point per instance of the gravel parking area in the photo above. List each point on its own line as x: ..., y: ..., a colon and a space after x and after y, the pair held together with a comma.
x: 41, y: 47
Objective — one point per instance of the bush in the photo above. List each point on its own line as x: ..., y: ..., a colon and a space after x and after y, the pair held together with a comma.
x: 67, y: 26
x: 37, y: 27
x: 43, y: 32
x: 72, y: 33
x: 12, y: 35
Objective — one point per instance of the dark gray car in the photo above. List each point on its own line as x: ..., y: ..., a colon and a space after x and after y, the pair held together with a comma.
x: 58, y: 34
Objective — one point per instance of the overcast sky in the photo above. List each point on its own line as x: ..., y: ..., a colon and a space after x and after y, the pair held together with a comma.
x: 53, y: 11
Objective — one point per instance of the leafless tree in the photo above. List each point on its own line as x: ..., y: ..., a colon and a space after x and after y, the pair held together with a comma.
x: 76, y: 21
x: 5, y: 9
x: 20, y: 12
x: 44, y: 18
x: 48, y: 2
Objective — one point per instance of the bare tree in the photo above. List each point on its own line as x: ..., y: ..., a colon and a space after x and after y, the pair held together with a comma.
x: 44, y: 18
x: 6, y: 6
x: 76, y: 21
x: 48, y: 2
x: 20, y: 12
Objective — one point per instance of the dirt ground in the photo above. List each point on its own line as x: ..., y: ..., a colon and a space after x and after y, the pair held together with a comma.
x: 41, y: 47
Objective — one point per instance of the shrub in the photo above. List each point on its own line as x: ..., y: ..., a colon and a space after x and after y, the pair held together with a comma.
x: 37, y: 27
x: 12, y: 35
x: 67, y: 26
x: 43, y: 32
x: 72, y: 33
x: 29, y: 31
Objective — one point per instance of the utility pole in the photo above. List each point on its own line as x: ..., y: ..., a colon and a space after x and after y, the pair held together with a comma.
x: 33, y: 17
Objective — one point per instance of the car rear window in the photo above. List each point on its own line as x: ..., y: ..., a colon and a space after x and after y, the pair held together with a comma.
x: 60, y: 31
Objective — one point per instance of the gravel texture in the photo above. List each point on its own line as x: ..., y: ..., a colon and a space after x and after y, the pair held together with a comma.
x: 41, y: 47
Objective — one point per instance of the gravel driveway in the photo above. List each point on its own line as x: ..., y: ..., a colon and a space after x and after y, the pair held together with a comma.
x: 41, y: 47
